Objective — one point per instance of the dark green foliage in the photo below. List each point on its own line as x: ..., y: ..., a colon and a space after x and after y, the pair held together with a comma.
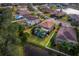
x: 22, y: 35
x: 8, y: 38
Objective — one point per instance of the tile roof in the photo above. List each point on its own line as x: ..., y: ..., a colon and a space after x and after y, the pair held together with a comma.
x: 23, y: 10
x: 69, y: 34
x: 46, y: 9
x: 30, y: 17
x: 47, y: 24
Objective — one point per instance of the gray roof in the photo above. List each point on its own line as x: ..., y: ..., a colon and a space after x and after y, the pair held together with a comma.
x: 76, y: 17
x: 68, y: 34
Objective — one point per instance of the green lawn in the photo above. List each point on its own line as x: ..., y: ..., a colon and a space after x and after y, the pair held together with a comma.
x: 50, y: 43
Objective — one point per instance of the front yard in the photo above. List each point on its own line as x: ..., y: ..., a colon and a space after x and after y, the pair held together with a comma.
x: 41, y: 42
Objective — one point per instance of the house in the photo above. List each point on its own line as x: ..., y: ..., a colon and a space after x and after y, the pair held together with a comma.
x: 66, y: 34
x: 28, y: 19
x: 45, y: 9
x: 43, y: 29
x: 31, y: 20
x: 58, y: 13
x: 74, y: 19
x: 22, y: 10
x: 47, y: 24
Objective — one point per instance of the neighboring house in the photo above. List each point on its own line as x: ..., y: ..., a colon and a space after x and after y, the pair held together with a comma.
x: 22, y: 10
x: 66, y: 34
x: 58, y: 12
x: 47, y: 24
x: 28, y: 19
x: 31, y: 20
x: 75, y: 19
x: 45, y: 9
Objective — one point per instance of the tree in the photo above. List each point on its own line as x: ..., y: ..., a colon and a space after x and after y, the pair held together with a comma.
x: 54, y: 7
x: 8, y: 37
x: 65, y: 18
x: 21, y: 34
